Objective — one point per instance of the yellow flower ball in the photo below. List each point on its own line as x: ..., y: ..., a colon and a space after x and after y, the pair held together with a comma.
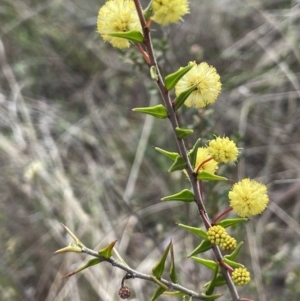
x: 117, y: 16
x: 240, y: 276
x: 218, y: 235
x: 208, y: 85
x: 223, y: 150
x: 248, y: 198
x: 210, y: 166
x: 228, y: 243
x: 169, y: 11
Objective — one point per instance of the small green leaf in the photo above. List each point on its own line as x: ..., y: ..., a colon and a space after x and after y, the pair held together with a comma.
x: 193, y: 153
x: 77, y: 241
x: 207, y: 176
x: 160, y: 266
x: 179, y: 164
x: 210, y: 288
x: 172, y: 272
x: 204, y: 246
x: 206, y: 262
x: 232, y: 221
x: 175, y: 293
x: 183, y: 196
x: 157, y: 281
x: 181, y: 98
x: 233, y: 264
x: 153, y: 73
x: 119, y: 256
x: 72, y: 247
x: 148, y: 11
x: 172, y: 79
x: 170, y: 155
x: 157, y: 293
x: 211, y: 297
x: 197, y: 231
x: 182, y: 133
x: 219, y: 281
x: 87, y: 265
x: 134, y: 36
x: 235, y: 252
x: 107, y: 251
x: 158, y: 111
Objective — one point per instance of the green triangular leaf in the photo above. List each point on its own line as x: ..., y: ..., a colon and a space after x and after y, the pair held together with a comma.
x: 170, y: 155
x: 235, y: 252
x: 160, y: 266
x: 107, y: 251
x: 211, y: 286
x: 72, y: 247
x: 87, y: 265
x: 232, y: 264
x: 153, y: 73
x: 172, y: 79
x: 182, y: 133
x: 119, y: 256
x: 158, y: 111
x: 134, y: 36
x: 204, y: 246
x: 181, y: 98
x: 77, y: 241
x: 148, y: 11
x: 193, y: 153
x: 194, y: 230
x: 179, y: 164
x: 158, y: 282
x: 232, y: 221
x: 206, y: 262
x: 183, y: 196
x: 176, y: 293
x: 207, y: 176
x: 172, y: 272
x: 157, y: 293
x: 219, y: 281
x: 211, y: 297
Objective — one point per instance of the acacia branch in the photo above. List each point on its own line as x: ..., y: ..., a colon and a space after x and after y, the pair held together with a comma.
x: 181, y: 145
x: 136, y: 274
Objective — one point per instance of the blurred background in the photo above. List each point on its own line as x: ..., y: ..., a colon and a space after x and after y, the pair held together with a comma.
x: 72, y: 151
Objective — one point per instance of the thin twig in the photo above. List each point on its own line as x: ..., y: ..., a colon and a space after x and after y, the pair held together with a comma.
x: 136, y: 274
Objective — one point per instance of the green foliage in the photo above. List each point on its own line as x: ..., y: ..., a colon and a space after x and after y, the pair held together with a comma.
x: 172, y: 79
x: 183, y: 196
x: 158, y: 269
x: 133, y: 35
x: 158, y: 111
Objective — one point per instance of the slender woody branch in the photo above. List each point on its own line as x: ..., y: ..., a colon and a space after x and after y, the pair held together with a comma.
x: 143, y: 276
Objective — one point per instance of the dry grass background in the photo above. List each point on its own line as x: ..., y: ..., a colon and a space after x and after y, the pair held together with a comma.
x: 72, y: 151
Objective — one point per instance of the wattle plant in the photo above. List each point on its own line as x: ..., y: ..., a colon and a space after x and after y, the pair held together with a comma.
x: 123, y: 23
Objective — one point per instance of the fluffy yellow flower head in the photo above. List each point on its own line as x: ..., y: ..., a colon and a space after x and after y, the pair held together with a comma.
x: 117, y: 16
x: 223, y: 150
x: 169, y: 11
x: 248, y: 198
x: 208, y: 85
x: 240, y: 276
x: 203, y: 154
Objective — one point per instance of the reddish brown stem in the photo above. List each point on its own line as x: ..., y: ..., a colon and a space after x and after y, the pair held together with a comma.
x: 205, y: 161
x: 143, y: 52
x: 229, y: 268
x: 221, y: 215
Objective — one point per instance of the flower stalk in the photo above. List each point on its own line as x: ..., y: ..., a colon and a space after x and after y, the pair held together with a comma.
x: 182, y: 148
